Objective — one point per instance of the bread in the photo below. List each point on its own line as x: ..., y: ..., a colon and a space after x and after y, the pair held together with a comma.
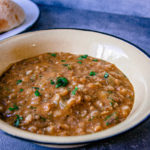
x: 11, y: 15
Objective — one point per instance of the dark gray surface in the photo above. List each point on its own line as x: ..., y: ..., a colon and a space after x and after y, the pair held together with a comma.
x: 133, y: 29
x: 127, y: 7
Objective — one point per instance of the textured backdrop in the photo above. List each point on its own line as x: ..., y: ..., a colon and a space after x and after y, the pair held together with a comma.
x: 127, y: 7
x: 126, y: 19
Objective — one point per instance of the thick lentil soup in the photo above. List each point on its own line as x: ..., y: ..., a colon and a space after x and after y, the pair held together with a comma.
x: 64, y: 94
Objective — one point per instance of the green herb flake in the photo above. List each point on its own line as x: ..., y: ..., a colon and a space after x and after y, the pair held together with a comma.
x: 15, y: 107
x: 96, y: 60
x: 90, y: 119
x: 53, y: 54
x: 37, y: 93
x: 116, y: 118
x: 92, y: 73
x: 82, y: 57
x: 65, y: 64
x: 107, y: 117
x: 113, y: 100
x: 52, y: 82
x: 69, y: 67
x: 31, y: 107
x: 106, y: 75
x: 21, y: 90
x: 37, y: 88
x: 107, y: 123
x: 6, y: 88
x: 42, y: 118
x: 110, y: 92
x: 63, y: 60
x: 61, y: 82
x: 112, y: 104
x: 18, y: 81
x: 75, y: 90
x: 32, y: 80
x: 79, y: 62
x: 17, y: 121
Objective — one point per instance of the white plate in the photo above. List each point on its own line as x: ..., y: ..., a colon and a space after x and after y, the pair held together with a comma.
x: 32, y: 13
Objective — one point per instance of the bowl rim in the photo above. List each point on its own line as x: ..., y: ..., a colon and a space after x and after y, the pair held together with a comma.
x: 86, y: 140
x: 79, y: 143
x: 78, y: 29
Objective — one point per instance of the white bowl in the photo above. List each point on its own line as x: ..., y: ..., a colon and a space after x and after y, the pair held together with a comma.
x: 129, y: 58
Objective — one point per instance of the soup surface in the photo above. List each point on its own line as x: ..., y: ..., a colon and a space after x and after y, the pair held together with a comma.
x: 64, y: 94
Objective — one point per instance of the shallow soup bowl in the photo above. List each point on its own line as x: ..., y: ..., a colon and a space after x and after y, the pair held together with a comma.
x: 128, y: 58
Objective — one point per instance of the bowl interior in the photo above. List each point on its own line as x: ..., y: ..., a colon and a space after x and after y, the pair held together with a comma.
x: 126, y: 57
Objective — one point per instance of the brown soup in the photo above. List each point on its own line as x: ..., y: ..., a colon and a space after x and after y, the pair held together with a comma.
x: 64, y: 94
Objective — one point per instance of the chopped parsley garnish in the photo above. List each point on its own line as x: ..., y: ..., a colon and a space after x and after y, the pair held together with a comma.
x: 82, y: 57
x: 113, y: 100
x: 37, y: 88
x: 32, y: 80
x: 96, y: 60
x: 6, y: 88
x: 75, y: 90
x: 92, y: 73
x: 65, y: 64
x: 61, y: 81
x: 37, y: 93
x: 53, y: 54
x: 107, y: 117
x: 63, y: 60
x: 68, y: 66
x: 17, y: 121
x: 110, y: 92
x: 42, y: 118
x: 21, y: 90
x: 112, y: 104
x: 107, y: 123
x: 106, y: 75
x: 31, y: 107
x: 90, y: 119
x: 52, y: 82
x: 18, y: 81
x: 79, y: 62
x: 15, y: 107
x: 111, y: 117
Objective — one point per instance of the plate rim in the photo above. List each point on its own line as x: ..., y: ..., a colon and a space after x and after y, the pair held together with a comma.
x: 26, y: 27
x: 79, y: 29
